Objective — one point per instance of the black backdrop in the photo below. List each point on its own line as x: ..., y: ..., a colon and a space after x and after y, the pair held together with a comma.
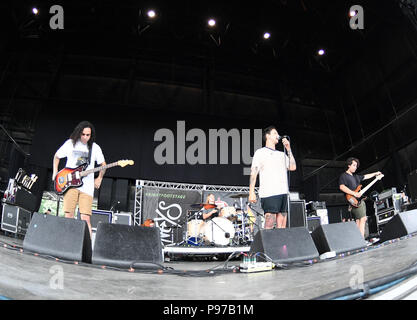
x: 127, y: 133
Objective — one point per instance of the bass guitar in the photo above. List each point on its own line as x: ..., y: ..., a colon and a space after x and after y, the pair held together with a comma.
x: 73, y: 177
x: 355, y: 202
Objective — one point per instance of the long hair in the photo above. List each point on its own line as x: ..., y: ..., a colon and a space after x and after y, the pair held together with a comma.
x: 76, y: 134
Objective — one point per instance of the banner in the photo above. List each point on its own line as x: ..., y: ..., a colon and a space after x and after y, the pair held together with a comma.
x: 168, y: 208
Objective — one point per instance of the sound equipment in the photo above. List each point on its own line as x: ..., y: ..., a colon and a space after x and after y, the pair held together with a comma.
x: 105, y: 194
x: 400, y: 225
x: 122, y: 218
x: 313, y: 206
x: 125, y: 246
x: 15, y: 219
x: 297, y: 215
x: 339, y: 237
x: 59, y: 237
x: 19, y: 196
x: 121, y: 194
x: 313, y: 223
x: 285, y: 245
x: 412, y: 185
x: 100, y: 216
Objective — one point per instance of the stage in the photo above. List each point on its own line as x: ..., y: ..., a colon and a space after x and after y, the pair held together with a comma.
x: 24, y: 276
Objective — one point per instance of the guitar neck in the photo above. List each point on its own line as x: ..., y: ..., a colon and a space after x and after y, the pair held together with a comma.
x: 369, y: 185
x: 87, y: 172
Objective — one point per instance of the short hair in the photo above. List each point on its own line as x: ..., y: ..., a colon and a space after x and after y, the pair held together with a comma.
x: 267, y: 130
x: 350, y: 160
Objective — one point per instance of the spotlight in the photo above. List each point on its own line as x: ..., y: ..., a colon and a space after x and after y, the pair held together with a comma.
x: 35, y: 10
x: 267, y: 35
x: 211, y: 22
x: 321, y: 52
x: 151, y: 14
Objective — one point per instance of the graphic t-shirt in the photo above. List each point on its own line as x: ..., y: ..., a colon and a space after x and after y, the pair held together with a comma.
x: 77, y: 155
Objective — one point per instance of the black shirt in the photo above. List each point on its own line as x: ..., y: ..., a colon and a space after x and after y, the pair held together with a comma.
x: 350, y: 181
x: 214, y: 214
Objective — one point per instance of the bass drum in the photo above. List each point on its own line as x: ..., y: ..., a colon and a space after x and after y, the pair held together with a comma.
x: 219, y: 231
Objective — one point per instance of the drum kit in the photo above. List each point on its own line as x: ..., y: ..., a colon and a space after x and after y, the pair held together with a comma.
x: 233, y: 225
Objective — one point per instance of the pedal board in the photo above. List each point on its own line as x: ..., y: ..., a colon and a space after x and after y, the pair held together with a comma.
x: 256, y: 267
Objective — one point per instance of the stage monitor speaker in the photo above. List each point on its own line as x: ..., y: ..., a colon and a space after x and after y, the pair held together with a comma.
x: 285, y: 245
x: 124, y: 246
x: 338, y: 237
x: 297, y: 216
x: 59, y: 237
x: 400, y: 225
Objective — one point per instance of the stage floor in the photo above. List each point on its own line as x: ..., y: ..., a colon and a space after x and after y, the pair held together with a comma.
x: 24, y: 276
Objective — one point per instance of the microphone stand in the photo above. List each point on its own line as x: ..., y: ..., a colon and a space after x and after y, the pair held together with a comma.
x: 288, y: 182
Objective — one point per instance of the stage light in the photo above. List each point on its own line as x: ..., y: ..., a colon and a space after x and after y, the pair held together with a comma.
x: 320, y: 52
x: 352, y: 13
x: 35, y: 10
x: 267, y: 35
x: 211, y: 22
x: 151, y: 14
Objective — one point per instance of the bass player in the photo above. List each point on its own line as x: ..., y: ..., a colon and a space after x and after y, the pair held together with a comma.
x: 348, y: 183
x: 78, y: 149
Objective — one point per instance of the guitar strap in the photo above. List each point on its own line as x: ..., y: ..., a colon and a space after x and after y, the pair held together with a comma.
x: 89, y: 156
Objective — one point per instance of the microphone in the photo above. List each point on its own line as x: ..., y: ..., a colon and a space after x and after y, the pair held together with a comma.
x: 285, y: 136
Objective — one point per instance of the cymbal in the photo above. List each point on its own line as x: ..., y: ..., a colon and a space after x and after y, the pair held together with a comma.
x: 205, y: 205
x: 240, y: 195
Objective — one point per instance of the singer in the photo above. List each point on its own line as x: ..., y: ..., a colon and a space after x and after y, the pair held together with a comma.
x: 272, y: 166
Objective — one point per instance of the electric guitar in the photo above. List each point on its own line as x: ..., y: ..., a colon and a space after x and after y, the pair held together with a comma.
x: 73, y: 177
x: 355, y: 202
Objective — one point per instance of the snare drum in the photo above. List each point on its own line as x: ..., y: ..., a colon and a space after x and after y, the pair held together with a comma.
x: 219, y: 231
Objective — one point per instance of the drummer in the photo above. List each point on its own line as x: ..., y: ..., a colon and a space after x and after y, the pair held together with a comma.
x: 208, y: 211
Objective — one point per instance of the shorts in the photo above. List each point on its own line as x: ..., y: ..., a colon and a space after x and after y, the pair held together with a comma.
x: 275, y: 204
x: 359, y: 212
x: 73, y: 197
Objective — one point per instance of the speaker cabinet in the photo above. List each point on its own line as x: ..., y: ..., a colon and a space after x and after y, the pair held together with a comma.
x: 285, y: 245
x: 412, y: 185
x: 121, y: 194
x: 105, y: 194
x: 400, y: 225
x: 297, y: 215
x: 124, y: 246
x: 338, y: 237
x: 59, y: 237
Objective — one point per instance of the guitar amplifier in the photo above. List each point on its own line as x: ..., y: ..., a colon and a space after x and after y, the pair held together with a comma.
x: 100, y: 216
x: 15, y: 219
x: 122, y: 218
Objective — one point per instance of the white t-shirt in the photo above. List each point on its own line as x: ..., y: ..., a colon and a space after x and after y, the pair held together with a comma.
x: 77, y: 155
x: 272, y: 164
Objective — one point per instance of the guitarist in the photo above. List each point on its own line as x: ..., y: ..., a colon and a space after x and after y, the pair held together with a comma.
x: 78, y: 149
x: 348, y: 183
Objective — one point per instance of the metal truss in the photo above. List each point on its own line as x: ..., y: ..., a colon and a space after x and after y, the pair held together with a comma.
x: 176, y: 186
